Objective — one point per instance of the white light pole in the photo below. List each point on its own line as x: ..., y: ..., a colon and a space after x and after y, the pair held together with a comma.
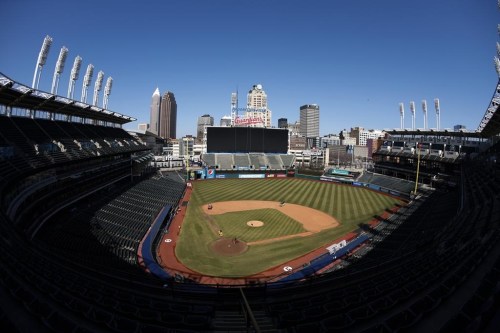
x: 75, y: 72
x: 438, y: 113
x: 97, y: 87
x: 424, y: 109
x: 402, y: 115
x: 496, y: 61
x: 412, y: 110
x: 59, y: 69
x: 107, y: 92
x: 42, y: 58
x: 86, y: 82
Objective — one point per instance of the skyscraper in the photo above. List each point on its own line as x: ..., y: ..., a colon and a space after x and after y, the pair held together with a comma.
x: 168, y: 116
x: 154, y: 116
x: 225, y: 121
x: 257, y: 103
x: 203, y: 121
x: 282, y: 123
x: 309, y: 120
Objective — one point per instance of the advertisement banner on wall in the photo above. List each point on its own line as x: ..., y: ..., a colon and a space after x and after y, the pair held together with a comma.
x: 252, y: 175
x: 210, y: 173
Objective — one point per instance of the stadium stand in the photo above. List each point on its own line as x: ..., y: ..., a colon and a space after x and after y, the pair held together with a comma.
x: 388, y: 182
x: 225, y: 161
x: 255, y: 161
x: 258, y: 161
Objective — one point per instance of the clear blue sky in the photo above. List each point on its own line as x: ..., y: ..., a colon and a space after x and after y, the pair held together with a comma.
x: 356, y: 59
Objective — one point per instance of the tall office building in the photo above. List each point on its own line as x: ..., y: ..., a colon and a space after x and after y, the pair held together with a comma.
x: 282, y: 123
x: 225, y: 121
x: 257, y: 102
x: 168, y: 116
x: 154, y: 116
x: 203, y: 122
x: 309, y: 120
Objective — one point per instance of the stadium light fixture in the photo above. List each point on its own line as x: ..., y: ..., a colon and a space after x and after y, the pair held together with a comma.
x: 438, y: 113
x: 86, y: 82
x: 97, y: 87
x: 412, y: 110
x: 496, y: 61
x: 424, y: 109
x: 75, y: 72
x: 402, y: 115
x: 59, y: 69
x: 42, y: 58
x: 107, y: 92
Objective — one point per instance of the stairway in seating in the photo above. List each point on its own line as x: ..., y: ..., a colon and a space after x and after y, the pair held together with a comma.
x: 234, y: 321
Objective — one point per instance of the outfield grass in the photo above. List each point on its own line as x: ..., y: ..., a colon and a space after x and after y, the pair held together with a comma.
x: 351, y: 206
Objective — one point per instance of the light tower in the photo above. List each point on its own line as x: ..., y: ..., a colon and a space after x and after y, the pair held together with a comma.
x: 42, y: 57
x: 424, y: 109
x: 107, y: 92
x: 412, y: 110
x: 97, y: 87
x: 86, y: 82
x: 234, y: 107
x: 438, y: 113
x: 59, y: 69
x: 75, y: 72
x: 402, y: 115
x: 496, y: 61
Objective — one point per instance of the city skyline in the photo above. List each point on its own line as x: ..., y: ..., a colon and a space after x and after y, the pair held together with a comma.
x: 357, y: 60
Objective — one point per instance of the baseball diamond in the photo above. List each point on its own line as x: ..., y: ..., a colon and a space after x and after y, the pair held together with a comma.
x: 296, y: 217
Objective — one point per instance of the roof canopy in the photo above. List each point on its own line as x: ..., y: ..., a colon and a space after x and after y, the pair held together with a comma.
x: 17, y: 95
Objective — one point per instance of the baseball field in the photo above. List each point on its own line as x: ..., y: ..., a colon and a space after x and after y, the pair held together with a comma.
x: 240, y: 227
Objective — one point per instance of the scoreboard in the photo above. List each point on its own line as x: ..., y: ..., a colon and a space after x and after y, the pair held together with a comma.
x: 247, y: 140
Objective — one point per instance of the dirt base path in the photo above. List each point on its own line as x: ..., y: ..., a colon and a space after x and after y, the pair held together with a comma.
x: 313, y: 220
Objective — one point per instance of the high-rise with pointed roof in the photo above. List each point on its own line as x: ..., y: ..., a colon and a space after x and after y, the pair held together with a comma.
x: 154, y: 120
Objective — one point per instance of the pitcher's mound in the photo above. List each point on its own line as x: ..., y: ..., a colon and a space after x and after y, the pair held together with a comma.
x: 255, y: 224
x: 229, y: 246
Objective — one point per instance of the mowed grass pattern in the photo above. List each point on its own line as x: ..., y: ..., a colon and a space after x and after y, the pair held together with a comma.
x: 276, y: 224
x: 351, y: 206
